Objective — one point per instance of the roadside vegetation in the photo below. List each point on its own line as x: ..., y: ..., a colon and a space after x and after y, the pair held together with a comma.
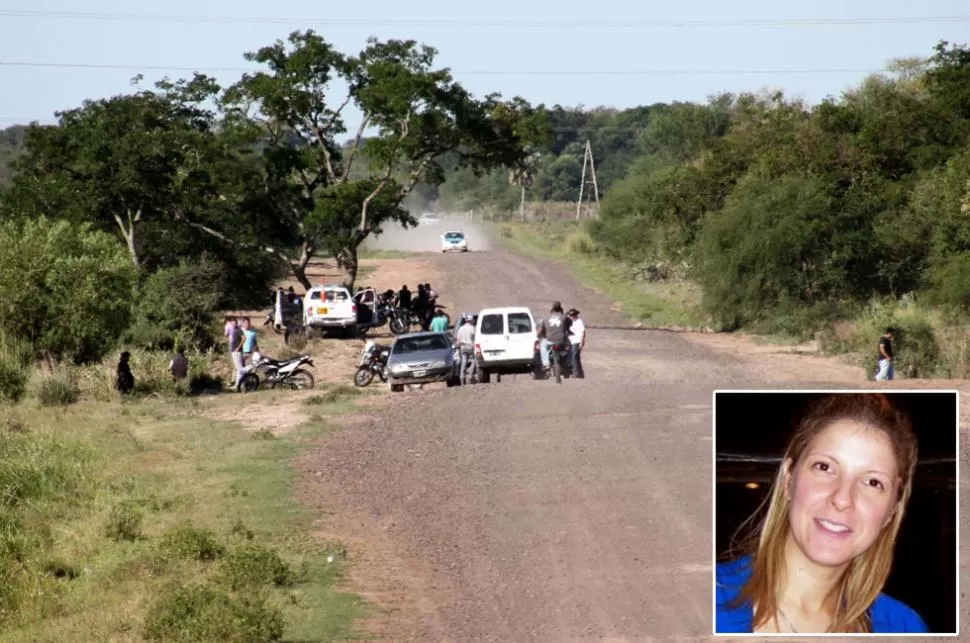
x: 148, y: 519
x: 756, y: 212
x: 131, y: 225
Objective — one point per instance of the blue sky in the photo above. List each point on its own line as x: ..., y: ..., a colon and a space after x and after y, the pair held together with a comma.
x: 551, y: 55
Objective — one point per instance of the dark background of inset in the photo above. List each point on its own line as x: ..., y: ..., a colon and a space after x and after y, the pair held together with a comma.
x: 924, y: 574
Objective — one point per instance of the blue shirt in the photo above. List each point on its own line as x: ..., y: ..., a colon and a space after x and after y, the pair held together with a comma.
x: 888, y: 615
x: 250, y: 340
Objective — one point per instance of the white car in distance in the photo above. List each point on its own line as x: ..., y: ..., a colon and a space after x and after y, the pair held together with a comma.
x: 454, y: 240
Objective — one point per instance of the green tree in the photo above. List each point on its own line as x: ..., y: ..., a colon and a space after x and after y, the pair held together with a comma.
x: 125, y: 163
x: 65, y: 287
x: 774, y: 247
x: 418, y: 115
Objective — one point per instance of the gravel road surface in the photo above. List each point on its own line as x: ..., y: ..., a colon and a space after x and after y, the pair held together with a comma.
x: 527, y: 511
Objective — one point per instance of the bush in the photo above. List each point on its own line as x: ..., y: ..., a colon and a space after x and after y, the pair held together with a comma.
x: 66, y: 288
x: 13, y: 381
x: 177, y: 307
x: 124, y: 522
x: 192, y: 543
x: 210, y: 613
x: 253, y: 565
x: 15, y: 357
x: 57, y: 388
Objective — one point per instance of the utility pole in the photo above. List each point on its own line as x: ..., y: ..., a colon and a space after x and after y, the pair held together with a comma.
x: 591, y: 164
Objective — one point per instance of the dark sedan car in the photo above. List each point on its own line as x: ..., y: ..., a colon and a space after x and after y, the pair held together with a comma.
x: 422, y: 358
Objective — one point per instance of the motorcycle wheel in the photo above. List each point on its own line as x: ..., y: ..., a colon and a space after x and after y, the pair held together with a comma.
x: 557, y: 371
x: 397, y: 326
x: 363, y: 376
x: 248, y: 383
x: 298, y: 379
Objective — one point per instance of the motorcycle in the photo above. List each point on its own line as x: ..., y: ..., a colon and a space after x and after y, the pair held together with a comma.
x: 559, y: 361
x: 277, y: 374
x: 402, y: 319
x: 373, y: 361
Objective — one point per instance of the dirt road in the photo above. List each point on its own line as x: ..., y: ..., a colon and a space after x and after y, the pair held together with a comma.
x: 527, y: 511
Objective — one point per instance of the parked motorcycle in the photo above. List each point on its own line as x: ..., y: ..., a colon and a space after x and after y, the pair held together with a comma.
x: 277, y: 374
x: 373, y: 361
x: 402, y: 319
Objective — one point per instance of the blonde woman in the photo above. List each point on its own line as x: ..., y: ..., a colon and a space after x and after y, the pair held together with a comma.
x: 819, y: 558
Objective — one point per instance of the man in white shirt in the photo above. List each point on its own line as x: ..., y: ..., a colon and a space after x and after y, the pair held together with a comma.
x: 578, y: 341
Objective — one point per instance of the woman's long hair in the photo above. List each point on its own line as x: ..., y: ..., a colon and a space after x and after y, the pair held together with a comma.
x: 865, y: 575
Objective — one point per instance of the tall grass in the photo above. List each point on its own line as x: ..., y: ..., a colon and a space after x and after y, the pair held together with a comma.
x: 928, y: 342
x: 45, y: 476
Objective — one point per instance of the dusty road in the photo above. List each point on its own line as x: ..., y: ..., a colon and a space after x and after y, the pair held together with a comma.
x: 527, y: 511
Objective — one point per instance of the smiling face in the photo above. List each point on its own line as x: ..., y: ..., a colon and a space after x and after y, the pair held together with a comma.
x: 843, y: 492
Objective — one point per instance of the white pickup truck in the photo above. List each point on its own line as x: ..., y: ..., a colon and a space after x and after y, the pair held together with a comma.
x: 329, y: 307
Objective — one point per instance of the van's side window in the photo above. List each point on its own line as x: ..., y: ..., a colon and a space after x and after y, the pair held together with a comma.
x: 315, y: 295
x: 520, y: 323
x: 492, y: 324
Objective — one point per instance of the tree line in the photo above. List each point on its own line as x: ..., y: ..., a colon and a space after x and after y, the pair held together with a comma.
x: 158, y: 207
x: 785, y: 214
x: 135, y: 217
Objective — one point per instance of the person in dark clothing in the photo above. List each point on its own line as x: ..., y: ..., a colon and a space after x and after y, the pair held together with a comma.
x: 884, y: 360
x: 420, y: 306
x: 179, y: 366
x: 404, y: 297
x: 124, y: 380
x: 554, y: 329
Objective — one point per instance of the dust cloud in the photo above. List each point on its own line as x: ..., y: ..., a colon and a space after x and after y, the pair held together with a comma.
x: 426, y: 237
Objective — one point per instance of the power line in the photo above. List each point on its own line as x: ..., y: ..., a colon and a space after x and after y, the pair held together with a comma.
x: 481, y: 72
x: 426, y: 22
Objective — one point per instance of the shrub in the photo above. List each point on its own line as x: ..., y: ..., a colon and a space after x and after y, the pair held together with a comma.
x: 253, y: 565
x: 124, y: 522
x: 210, y: 613
x: 177, y: 307
x: 57, y: 388
x: 189, y: 542
x: 15, y: 357
x: 66, y: 288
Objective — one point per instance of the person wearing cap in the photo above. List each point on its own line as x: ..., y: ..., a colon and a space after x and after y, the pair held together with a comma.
x: 554, y: 329
x: 577, y: 342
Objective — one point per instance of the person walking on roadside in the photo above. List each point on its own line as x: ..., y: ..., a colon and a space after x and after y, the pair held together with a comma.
x: 237, y: 340
x: 577, y: 342
x: 884, y: 363
x: 466, y: 350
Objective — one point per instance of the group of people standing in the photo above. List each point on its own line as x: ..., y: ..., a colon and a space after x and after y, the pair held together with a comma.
x: 423, y: 303
x: 563, y: 328
x: 559, y: 328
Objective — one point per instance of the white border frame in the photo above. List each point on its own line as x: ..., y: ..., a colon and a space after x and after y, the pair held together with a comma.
x: 714, y: 508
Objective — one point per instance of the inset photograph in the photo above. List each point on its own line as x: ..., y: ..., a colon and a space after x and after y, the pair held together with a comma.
x: 836, y: 512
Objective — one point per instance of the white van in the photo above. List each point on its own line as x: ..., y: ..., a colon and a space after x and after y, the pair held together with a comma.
x: 505, y: 342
